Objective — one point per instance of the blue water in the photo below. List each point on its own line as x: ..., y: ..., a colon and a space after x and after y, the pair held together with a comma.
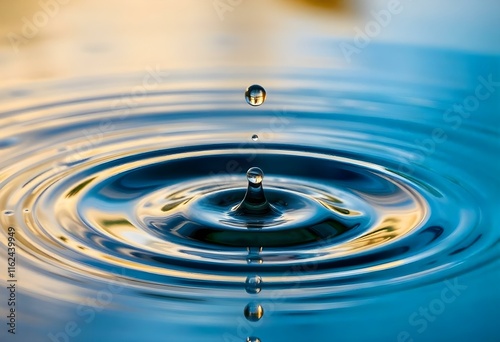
x: 385, y: 224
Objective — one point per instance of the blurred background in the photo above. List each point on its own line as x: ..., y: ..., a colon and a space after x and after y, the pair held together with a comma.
x: 51, y: 39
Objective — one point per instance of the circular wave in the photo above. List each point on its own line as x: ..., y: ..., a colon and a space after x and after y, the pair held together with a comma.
x: 93, y: 187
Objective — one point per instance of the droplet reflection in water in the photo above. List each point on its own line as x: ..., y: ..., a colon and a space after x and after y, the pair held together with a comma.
x: 253, y: 312
x: 253, y: 255
x: 255, y: 137
x: 255, y: 95
x: 253, y: 284
x: 254, y: 260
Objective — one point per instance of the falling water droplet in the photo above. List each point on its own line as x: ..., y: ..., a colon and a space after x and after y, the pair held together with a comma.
x: 253, y: 284
x: 255, y: 95
x: 253, y: 312
x: 255, y: 175
x: 253, y: 339
x: 8, y: 212
x: 255, y: 137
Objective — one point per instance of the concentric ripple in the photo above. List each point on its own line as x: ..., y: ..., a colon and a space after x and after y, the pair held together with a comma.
x: 151, y: 189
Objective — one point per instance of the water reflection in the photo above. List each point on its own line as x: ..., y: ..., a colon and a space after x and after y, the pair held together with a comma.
x: 95, y: 159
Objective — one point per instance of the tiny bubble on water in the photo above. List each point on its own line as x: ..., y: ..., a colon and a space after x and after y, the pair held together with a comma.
x: 255, y: 137
x: 255, y: 95
x: 253, y: 312
x: 253, y: 284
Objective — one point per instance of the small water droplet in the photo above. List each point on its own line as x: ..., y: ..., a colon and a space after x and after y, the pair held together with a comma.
x: 253, y: 284
x: 253, y: 312
x: 8, y: 212
x: 255, y: 95
x: 253, y: 339
x: 255, y: 175
x: 26, y: 210
x: 255, y: 137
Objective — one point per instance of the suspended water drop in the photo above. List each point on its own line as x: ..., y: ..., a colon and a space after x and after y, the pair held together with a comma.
x: 253, y: 312
x: 255, y: 95
x: 255, y: 175
x: 255, y: 137
x: 253, y: 284
x: 253, y: 339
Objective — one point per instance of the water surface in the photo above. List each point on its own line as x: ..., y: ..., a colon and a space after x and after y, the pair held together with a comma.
x: 388, y: 195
